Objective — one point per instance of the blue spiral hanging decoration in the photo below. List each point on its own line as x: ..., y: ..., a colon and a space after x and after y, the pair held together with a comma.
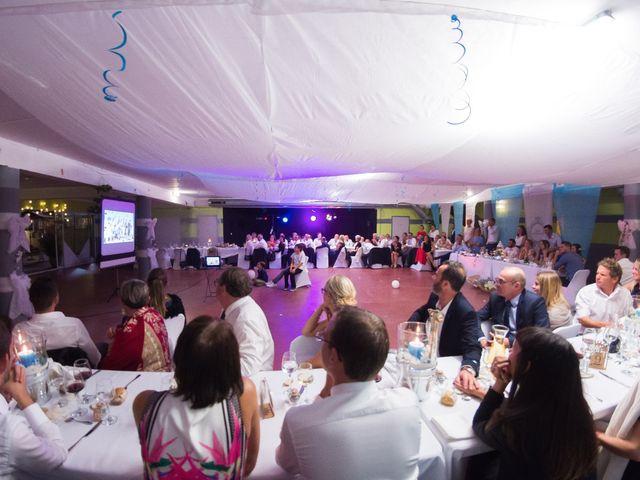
x: 109, y: 97
x: 462, y: 96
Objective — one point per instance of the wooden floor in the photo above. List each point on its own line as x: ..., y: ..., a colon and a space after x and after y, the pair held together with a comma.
x: 87, y: 297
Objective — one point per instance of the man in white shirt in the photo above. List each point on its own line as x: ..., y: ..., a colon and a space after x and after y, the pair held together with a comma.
x: 553, y: 239
x: 247, y: 320
x: 621, y: 255
x: 261, y: 243
x: 29, y: 442
x: 511, y: 251
x: 601, y: 303
x: 493, y: 235
x: 459, y: 246
x: 468, y: 231
x: 359, y: 431
x: 333, y: 241
x: 60, y: 331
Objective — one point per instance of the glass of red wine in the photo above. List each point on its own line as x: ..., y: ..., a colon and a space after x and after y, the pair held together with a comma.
x: 82, y: 368
x: 74, y: 386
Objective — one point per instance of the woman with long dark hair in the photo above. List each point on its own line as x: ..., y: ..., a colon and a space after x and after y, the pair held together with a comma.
x: 168, y: 304
x: 544, y: 430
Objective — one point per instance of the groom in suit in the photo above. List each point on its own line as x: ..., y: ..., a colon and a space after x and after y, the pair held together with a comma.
x: 513, y: 306
x: 460, y: 330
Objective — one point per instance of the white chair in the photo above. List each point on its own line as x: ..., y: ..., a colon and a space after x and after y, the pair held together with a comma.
x: 177, y: 258
x: 305, y: 347
x: 242, y: 261
x: 578, y: 281
x: 153, y: 260
x: 341, y: 261
x: 303, y: 279
x: 322, y: 258
x: 276, y: 264
x: 569, y: 331
x: 174, y: 325
x: 356, y: 261
x: 163, y: 259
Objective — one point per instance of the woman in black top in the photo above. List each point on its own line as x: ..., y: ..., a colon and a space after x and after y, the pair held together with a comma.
x: 169, y: 305
x: 544, y: 430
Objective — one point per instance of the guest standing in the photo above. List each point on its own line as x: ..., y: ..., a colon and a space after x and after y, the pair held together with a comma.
x: 544, y: 430
x: 141, y: 341
x: 549, y: 287
x: 210, y: 422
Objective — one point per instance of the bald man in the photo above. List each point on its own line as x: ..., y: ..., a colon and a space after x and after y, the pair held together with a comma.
x: 513, y: 306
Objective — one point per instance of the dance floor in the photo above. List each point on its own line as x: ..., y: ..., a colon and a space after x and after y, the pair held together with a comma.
x: 87, y: 297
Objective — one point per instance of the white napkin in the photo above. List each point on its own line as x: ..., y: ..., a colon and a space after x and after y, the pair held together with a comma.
x: 454, y: 426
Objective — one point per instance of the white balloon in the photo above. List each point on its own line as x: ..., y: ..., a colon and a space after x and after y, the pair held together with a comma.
x: 252, y: 274
x: 395, y: 284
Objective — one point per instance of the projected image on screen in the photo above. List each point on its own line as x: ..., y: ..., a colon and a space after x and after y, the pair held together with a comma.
x: 118, y: 227
x: 118, y: 232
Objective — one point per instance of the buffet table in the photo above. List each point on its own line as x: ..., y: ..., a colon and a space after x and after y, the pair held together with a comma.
x: 490, y: 268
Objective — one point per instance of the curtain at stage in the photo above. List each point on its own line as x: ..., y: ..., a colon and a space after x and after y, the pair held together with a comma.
x: 507, y: 205
x: 576, y: 209
x: 538, y: 209
x: 458, y: 221
x: 445, y: 213
x: 435, y: 212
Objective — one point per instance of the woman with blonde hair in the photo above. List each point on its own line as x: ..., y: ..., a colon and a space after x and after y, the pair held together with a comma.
x: 337, y: 292
x: 634, y: 285
x: 549, y: 286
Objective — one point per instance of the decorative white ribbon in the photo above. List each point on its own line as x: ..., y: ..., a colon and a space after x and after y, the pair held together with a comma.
x: 20, y: 303
x: 150, y: 223
x: 17, y: 236
x: 627, y: 227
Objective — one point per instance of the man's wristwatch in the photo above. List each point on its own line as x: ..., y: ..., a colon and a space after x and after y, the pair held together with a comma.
x: 469, y: 369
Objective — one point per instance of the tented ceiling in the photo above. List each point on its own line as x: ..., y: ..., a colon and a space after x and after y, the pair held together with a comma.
x: 358, y: 101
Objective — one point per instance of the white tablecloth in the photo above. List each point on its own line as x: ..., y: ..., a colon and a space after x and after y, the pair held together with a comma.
x: 113, y: 452
x: 490, y: 267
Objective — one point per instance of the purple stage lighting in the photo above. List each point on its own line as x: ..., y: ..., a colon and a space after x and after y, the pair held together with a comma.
x: 285, y: 219
x: 313, y: 218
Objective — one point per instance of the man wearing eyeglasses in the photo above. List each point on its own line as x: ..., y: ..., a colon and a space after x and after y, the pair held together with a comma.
x: 513, y: 306
x: 359, y: 431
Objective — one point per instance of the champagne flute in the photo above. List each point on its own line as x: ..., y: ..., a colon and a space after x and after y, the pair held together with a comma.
x: 104, y: 394
x: 305, y: 375
x: 289, y: 364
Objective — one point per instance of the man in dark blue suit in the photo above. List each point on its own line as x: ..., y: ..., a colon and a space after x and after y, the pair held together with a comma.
x: 513, y: 306
x: 461, y: 329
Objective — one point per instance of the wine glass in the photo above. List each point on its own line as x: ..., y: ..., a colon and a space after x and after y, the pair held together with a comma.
x: 104, y: 394
x: 83, y: 369
x: 289, y: 364
x: 74, y: 386
x: 305, y: 374
x: 589, y: 337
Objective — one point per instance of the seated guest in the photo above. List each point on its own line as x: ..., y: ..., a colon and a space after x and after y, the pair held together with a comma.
x: 433, y: 233
x: 140, y: 343
x: 521, y: 236
x: 567, y: 263
x: 272, y: 244
x: 620, y: 457
x: 443, y: 242
x: 511, y: 250
x: 261, y: 278
x: 168, y: 304
x: 247, y: 319
x: 459, y: 246
x: 513, y: 306
x: 396, y: 252
x: 332, y: 243
x: 421, y: 231
x: 359, y: 431
x: 249, y: 245
x: 527, y: 252
x: 549, y: 287
x: 424, y: 255
x: 211, y: 419
x: 545, y: 254
x: 634, y: 285
x: 477, y: 241
x: 460, y: 330
x: 621, y: 255
x: 337, y: 292
x: 544, y: 429
x: 298, y: 263
x: 601, y: 303
x: 61, y: 331
x: 30, y: 443
x: 576, y: 248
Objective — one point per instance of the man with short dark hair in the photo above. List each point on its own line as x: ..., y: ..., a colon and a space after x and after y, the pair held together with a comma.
x: 460, y: 330
x: 603, y: 302
x: 359, y: 431
x: 621, y: 255
x: 568, y: 263
x: 553, y: 238
x: 30, y: 443
x: 513, y: 306
x: 61, y: 331
x: 247, y: 319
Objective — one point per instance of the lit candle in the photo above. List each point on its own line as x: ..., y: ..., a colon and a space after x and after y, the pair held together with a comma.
x: 27, y: 357
x: 416, y: 348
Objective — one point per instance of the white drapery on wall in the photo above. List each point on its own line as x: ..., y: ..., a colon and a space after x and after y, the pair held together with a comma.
x: 445, y: 214
x: 538, y: 209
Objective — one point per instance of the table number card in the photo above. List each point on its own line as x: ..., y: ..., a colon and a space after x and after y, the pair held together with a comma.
x: 599, y: 359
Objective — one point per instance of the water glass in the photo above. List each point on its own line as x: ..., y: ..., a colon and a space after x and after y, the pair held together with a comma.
x: 289, y: 364
x: 104, y: 395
